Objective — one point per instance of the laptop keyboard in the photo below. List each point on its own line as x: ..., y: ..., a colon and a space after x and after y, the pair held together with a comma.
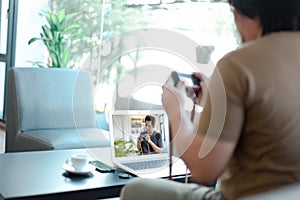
x: 147, y: 164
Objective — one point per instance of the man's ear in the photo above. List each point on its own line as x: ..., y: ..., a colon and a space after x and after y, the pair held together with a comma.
x: 249, y: 28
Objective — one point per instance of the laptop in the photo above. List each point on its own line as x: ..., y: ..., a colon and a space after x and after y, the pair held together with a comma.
x: 125, y: 127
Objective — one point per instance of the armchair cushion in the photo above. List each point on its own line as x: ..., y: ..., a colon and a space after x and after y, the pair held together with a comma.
x: 63, y: 139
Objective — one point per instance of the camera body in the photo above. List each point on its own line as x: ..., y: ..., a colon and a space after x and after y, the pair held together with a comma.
x: 143, y: 135
x: 190, y: 79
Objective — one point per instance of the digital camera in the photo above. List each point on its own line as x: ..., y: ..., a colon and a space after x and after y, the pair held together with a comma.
x: 190, y: 80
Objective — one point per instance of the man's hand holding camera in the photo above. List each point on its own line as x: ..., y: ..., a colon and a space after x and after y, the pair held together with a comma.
x: 141, y: 138
x: 144, y: 137
x: 175, y: 91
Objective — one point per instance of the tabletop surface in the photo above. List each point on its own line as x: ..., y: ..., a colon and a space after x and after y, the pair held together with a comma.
x: 40, y: 173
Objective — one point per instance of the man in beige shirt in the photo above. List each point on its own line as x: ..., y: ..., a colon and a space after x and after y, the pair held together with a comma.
x: 248, y: 132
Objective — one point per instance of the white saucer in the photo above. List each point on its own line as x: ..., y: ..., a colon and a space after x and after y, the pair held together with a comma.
x: 71, y: 169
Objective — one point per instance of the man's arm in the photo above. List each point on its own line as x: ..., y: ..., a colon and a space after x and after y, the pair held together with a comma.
x: 153, y: 145
x: 156, y: 148
x: 139, y: 145
x: 205, y: 155
x: 205, y: 168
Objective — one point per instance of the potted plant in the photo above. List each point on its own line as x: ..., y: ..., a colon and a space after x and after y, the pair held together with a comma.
x: 58, y: 35
x: 123, y: 148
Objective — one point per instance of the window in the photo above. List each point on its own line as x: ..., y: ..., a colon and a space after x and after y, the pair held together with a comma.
x: 133, y: 67
x: 104, y: 39
x: 28, y: 26
x: 3, y: 43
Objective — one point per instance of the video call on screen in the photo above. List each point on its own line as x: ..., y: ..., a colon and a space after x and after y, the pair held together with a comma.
x: 127, y: 128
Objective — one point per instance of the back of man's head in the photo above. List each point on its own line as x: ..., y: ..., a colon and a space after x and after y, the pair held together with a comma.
x: 274, y: 15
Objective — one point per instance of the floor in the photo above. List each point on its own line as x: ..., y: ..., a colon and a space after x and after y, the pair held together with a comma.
x: 2, y: 141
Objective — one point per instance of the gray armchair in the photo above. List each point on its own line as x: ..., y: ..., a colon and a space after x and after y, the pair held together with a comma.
x: 50, y: 109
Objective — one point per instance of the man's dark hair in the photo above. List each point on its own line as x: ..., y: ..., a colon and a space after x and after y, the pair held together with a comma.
x: 150, y: 118
x: 274, y: 15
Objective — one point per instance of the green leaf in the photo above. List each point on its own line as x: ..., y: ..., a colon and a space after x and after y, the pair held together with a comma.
x: 33, y: 40
x: 66, y: 57
x: 54, y: 22
x: 47, y: 32
x: 71, y: 27
x: 60, y: 16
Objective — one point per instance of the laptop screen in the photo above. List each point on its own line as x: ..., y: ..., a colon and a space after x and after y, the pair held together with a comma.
x: 131, y: 132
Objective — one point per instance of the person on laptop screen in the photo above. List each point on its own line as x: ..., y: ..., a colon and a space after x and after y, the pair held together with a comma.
x: 149, y: 141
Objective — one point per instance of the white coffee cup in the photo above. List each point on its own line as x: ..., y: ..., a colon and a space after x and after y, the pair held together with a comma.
x: 78, y: 161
